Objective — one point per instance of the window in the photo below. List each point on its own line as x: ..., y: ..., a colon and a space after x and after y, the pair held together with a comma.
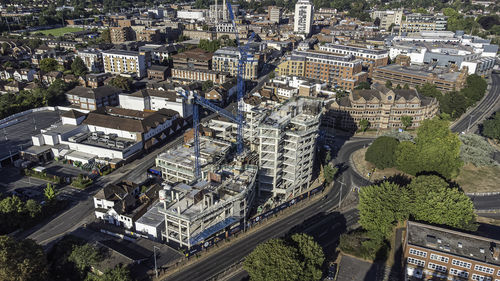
x: 436, y: 267
x: 459, y: 273
x: 461, y: 263
x: 477, y: 277
x: 484, y: 269
x: 439, y: 258
x: 416, y: 262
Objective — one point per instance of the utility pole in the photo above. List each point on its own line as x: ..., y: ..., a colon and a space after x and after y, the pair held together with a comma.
x: 154, y: 253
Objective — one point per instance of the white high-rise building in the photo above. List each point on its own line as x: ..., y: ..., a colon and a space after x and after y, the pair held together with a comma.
x: 303, y: 17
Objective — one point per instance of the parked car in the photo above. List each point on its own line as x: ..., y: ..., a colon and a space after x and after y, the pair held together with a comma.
x: 332, y: 271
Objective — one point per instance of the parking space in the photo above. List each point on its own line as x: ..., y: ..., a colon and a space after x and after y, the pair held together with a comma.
x: 17, y: 136
x: 60, y: 169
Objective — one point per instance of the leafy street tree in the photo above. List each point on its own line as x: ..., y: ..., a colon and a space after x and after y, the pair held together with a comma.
x: 376, y: 22
x: 119, y: 273
x: 329, y: 173
x: 105, y: 36
x: 407, y: 121
x: 49, y: 192
x: 363, y: 86
x: 48, y: 64
x: 434, y: 201
x: 298, y: 257
x: 84, y: 256
x: 491, y: 127
x: 78, y: 67
x: 430, y: 90
x: 388, y: 84
x: 21, y: 260
x: 32, y: 208
x: 364, y: 124
x: 273, y: 260
x: 121, y: 82
x: 382, y: 152
x: 381, y: 206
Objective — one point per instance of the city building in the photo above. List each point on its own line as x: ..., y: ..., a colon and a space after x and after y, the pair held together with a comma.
x: 382, y: 107
x: 160, y: 53
x: 93, y: 98
x: 303, y: 17
x: 190, y: 74
x: 226, y: 60
x: 194, y: 14
x: 92, y: 59
x: 274, y: 14
x: 445, y: 79
x: 121, y: 34
x: 193, y: 59
x: 94, y: 80
x: 420, y: 22
x: 196, y: 211
x: 150, y: 99
x: 341, y: 71
x: 371, y: 57
x: 149, y: 35
x: 287, y: 144
x: 158, y: 72
x: 124, y: 62
x: 115, y: 203
x: 388, y: 18
x: 434, y: 252
x: 176, y: 165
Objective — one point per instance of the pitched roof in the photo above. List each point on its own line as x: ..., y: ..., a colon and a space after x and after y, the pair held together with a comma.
x: 95, y: 93
x: 75, y: 114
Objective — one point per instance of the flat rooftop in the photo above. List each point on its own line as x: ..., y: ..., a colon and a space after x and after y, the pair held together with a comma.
x: 184, y: 154
x: 443, y: 73
x: 153, y: 217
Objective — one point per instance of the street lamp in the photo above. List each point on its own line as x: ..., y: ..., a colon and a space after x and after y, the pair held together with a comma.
x: 154, y: 254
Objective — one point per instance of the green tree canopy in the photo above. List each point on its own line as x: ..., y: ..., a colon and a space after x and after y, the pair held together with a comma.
x: 329, y: 172
x: 382, y: 152
x: 406, y: 121
x: 78, y: 67
x: 48, y: 64
x: 84, y: 256
x: 312, y: 255
x: 381, y: 206
x: 49, y: 192
x: 491, y: 127
x: 364, y: 124
x: 434, y: 201
x: 21, y: 260
x: 121, y: 82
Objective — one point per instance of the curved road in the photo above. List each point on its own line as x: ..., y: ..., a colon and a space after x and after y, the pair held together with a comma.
x: 482, y: 110
x: 321, y: 213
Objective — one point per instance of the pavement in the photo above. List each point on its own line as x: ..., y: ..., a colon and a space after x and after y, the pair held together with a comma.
x: 18, y: 136
x: 354, y: 269
x: 483, y: 110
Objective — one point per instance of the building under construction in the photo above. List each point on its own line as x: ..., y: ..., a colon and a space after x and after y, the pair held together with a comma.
x: 194, y: 212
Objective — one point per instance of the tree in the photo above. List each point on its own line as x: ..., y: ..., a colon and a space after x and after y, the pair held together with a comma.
x: 48, y: 64
x: 406, y: 155
x: 84, y: 256
x: 364, y: 124
x: 32, y: 208
x: 272, y: 75
x: 21, y: 260
x: 434, y: 201
x: 105, y: 36
x: 329, y: 173
x: 381, y: 206
x: 382, y: 152
x: 376, y: 22
x: 311, y: 254
x: 78, y: 67
x: 49, y: 192
x: 430, y: 90
x: 273, y: 260
x: 363, y: 85
x: 388, y: 84
x: 406, y: 121
x: 121, y: 82
x: 491, y: 126
x: 487, y: 22
x: 476, y: 150
x: 119, y: 273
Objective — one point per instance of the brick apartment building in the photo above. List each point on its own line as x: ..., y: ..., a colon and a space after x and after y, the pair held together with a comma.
x: 445, y: 79
x: 93, y: 98
x: 344, y: 72
x: 158, y: 72
x: 382, y: 107
x: 189, y: 74
x: 193, y: 59
x: 121, y: 34
x: 435, y: 253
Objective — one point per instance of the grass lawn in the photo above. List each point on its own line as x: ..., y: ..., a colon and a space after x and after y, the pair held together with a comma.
x: 59, y: 31
x: 479, y: 179
x: 364, y: 167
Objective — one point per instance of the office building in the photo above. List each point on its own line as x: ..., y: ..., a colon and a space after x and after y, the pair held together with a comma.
x: 287, y: 144
x: 303, y: 17
x: 226, y: 60
x: 382, y: 107
x: 388, y: 18
x: 432, y: 252
x: 445, y: 79
x: 371, y: 57
x: 341, y: 71
x: 419, y: 22
x: 124, y: 62
x: 92, y: 59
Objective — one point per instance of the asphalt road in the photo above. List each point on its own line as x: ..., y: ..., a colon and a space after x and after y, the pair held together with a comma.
x: 321, y: 212
x: 482, y: 110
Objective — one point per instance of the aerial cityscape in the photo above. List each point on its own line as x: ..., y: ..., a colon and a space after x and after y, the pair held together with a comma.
x: 249, y: 140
